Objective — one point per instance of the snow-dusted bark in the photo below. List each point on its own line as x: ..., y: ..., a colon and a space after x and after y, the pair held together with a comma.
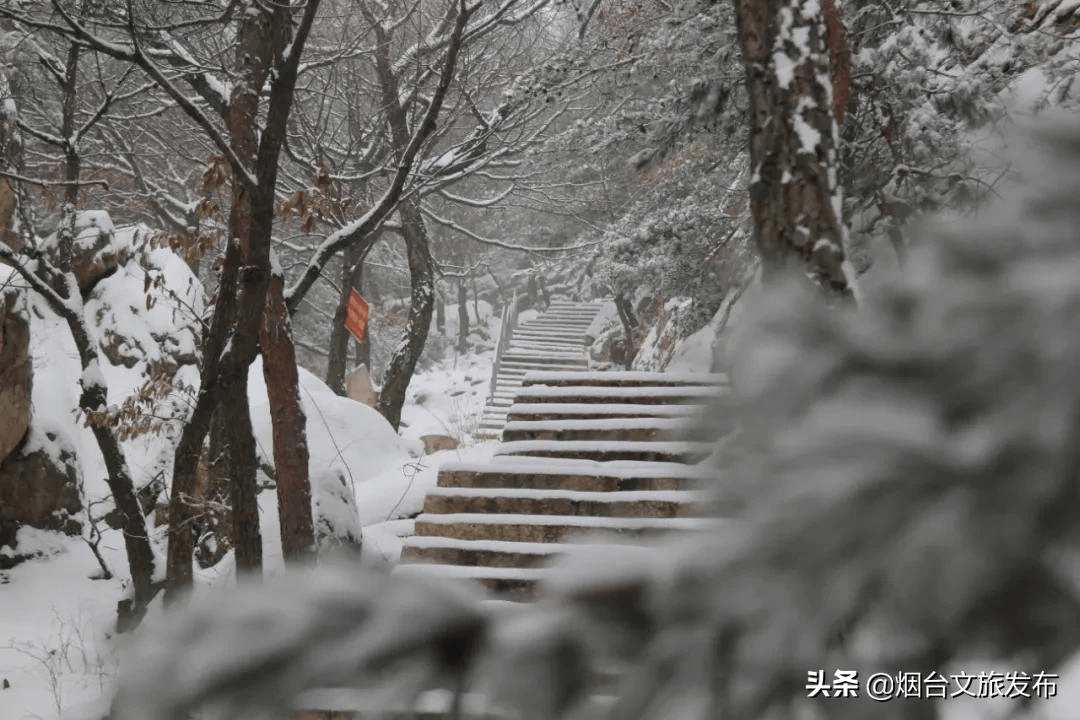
x: 265, y: 56
x: 402, y: 363
x: 287, y: 416
x: 794, y: 195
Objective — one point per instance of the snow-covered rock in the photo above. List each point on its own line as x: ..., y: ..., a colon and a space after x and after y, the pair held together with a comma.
x: 349, y: 443
x: 16, y: 372
x: 98, y: 249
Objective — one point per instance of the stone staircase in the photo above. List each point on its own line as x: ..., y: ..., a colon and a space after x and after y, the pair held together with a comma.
x: 552, y: 341
x: 586, y: 456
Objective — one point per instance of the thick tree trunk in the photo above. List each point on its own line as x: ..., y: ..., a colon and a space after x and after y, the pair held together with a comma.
x: 794, y: 197
x: 289, y: 422
x: 261, y: 38
x: 440, y: 315
x: 422, y: 280
x: 246, y: 531
x: 184, y: 499
x: 463, y: 317
x: 253, y: 58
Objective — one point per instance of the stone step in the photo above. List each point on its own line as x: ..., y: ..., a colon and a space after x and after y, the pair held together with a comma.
x: 549, y: 528
x: 623, y: 379
x: 604, y: 451
x: 556, y: 327
x: 575, y: 338
x: 651, y: 395
x: 578, y: 475
x: 575, y: 365
x: 649, y: 503
x: 515, y: 355
x: 518, y: 584
x: 568, y: 311
x: 538, y: 338
x: 558, y: 323
x: 545, y: 411
x: 483, y: 553
x: 531, y: 361
x: 542, y: 348
x: 352, y: 704
x: 649, y: 428
x: 371, y: 704
x: 561, y: 320
x: 568, y: 327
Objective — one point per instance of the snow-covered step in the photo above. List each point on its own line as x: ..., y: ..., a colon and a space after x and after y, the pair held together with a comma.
x: 529, y: 501
x: 649, y: 395
x: 607, y: 450
x: 568, y: 312
x: 573, y: 474
x: 525, y: 360
x: 576, y: 365
x: 640, y: 428
x: 522, y: 411
x: 559, y: 324
x: 575, y: 342
x: 623, y: 378
x: 543, y: 348
x: 550, y: 528
x: 506, y: 582
x: 555, y: 327
x: 484, y: 553
x: 369, y: 703
x: 564, y: 312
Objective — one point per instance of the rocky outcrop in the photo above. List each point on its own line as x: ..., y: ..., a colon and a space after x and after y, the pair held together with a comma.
x: 667, y: 324
x: 95, y: 251
x: 16, y: 374
x: 39, y: 488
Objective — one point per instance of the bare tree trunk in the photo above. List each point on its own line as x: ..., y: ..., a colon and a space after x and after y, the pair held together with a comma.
x: 475, y: 300
x: 184, y: 499
x: 339, y: 335
x: 133, y: 522
x: 262, y: 38
x: 440, y: 315
x: 421, y: 273
x: 794, y: 197
x: 362, y: 354
x: 463, y: 316
x: 72, y: 161
x: 287, y: 414
x: 422, y: 280
x: 629, y: 322
x: 246, y: 531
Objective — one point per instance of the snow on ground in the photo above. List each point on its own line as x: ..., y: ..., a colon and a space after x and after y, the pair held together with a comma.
x: 349, y: 443
x: 446, y: 400
x: 56, y: 654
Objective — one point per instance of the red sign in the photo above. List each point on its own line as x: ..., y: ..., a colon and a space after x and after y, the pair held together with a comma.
x: 356, y: 322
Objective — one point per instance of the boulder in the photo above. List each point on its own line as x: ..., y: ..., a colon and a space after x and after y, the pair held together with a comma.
x: 435, y: 443
x: 16, y: 374
x: 39, y: 488
x: 358, y: 387
x: 95, y: 251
